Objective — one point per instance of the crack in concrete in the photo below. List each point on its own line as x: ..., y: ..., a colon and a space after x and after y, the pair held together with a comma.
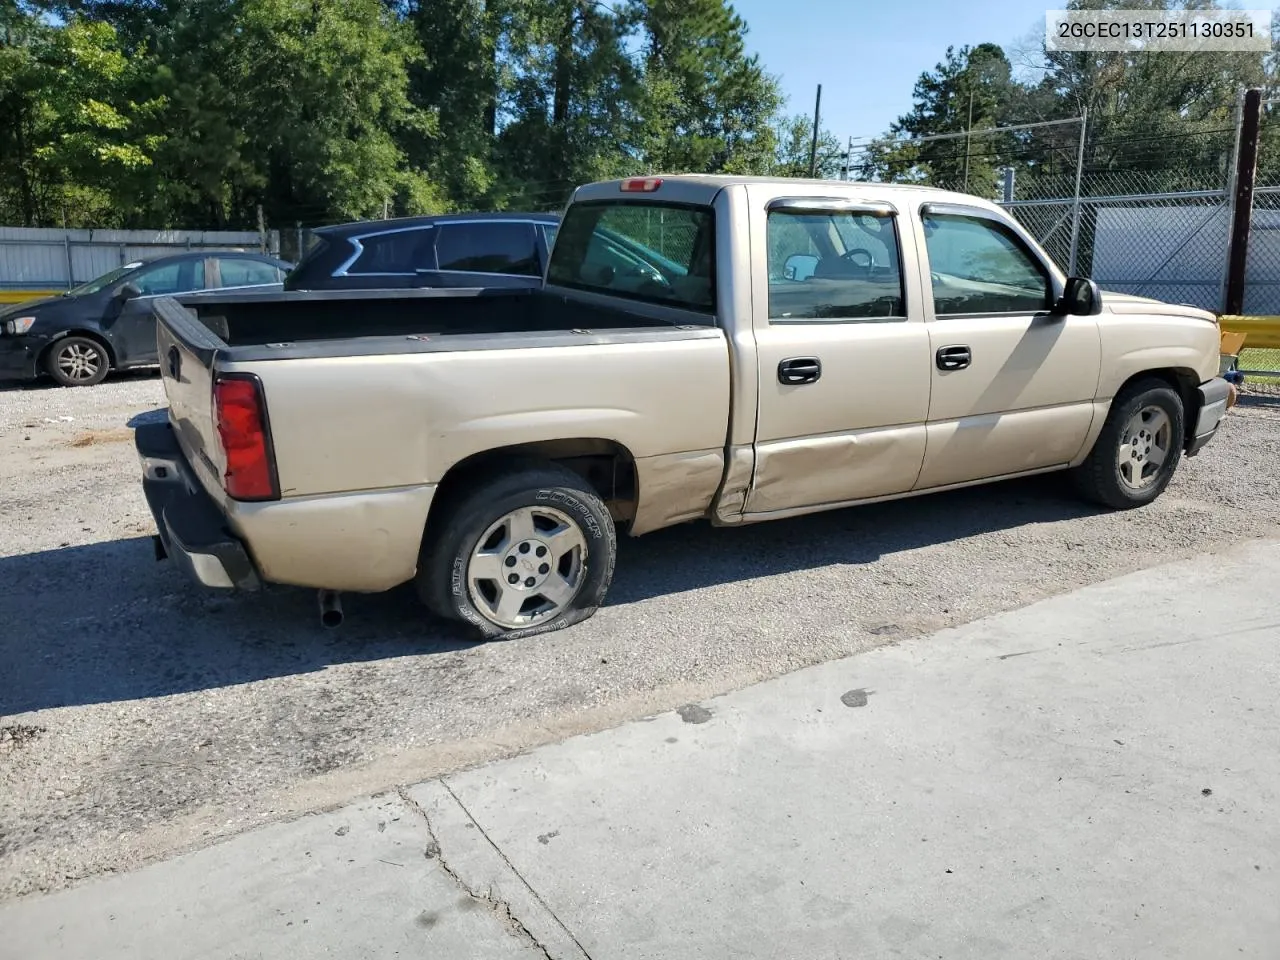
x: 512, y: 867
x: 500, y: 908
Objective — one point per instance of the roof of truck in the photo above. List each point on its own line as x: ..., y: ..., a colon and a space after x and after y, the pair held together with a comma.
x: 701, y: 189
x: 729, y: 180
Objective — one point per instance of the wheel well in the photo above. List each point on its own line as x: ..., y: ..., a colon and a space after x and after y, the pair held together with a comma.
x: 1181, y: 379
x: 97, y: 338
x: 606, y: 465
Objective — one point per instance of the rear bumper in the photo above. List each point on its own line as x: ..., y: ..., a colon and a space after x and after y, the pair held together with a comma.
x: 193, y: 531
x: 1215, y: 395
x: 17, y: 358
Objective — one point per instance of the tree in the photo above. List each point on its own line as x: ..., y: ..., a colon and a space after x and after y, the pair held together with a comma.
x: 570, y: 112
x: 970, y: 89
x: 72, y: 135
x: 794, y: 138
x: 706, y: 107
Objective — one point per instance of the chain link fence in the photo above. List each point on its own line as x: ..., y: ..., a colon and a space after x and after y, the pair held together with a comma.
x: 1147, y: 215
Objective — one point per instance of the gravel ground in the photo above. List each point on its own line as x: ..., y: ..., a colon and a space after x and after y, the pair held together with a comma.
x: 142, y: 716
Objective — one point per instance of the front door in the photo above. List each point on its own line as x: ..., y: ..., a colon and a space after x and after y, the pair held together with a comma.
x: 1012, y: 382
x: 843, y: 356
x: 133, y: 334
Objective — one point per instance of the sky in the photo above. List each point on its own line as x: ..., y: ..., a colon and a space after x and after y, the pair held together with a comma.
x: 868, y: 55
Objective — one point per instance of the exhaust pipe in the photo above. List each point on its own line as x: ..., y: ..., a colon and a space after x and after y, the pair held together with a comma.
x: 330, y: 608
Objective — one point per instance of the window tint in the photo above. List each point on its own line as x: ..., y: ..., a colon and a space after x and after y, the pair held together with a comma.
x: 180, y: 277
x: 400, y: 252
x: 488, y: 248
x: 979, y: 266
x: 645, y: 251
x: 244, y: 273
x: 834, y: 266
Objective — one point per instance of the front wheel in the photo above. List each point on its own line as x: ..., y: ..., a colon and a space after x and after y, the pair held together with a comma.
x: 526, y: 553
x: 77, y: 362
x: 1138, y: 449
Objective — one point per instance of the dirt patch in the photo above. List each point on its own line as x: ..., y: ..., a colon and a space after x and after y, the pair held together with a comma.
x: 92, y: 437
x: 18, y: 735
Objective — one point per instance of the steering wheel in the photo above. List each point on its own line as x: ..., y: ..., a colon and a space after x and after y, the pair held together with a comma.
x: 859, y: 251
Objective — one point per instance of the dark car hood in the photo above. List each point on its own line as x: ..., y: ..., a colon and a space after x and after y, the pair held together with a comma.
x: 27, y: 306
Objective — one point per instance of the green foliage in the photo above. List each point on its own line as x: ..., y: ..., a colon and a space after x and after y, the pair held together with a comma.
x: 73, y: 133
x: 197, y: 112
x: 1156, y: 121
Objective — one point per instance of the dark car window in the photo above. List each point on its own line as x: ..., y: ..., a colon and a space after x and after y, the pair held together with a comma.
x: 170, y: 278
x: 244, y: 273
x: 400, y: 251
x: 488, y: 248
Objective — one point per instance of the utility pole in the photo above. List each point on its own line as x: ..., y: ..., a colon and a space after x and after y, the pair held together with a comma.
x: 968, y: 131
x: 1242, y: 215
x: 262, y: 231
x: 813, y: 146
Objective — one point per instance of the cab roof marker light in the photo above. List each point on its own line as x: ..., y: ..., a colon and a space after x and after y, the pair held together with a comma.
x: 640, y: 184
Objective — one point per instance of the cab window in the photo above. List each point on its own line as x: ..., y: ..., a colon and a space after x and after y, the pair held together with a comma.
x: 841, y: 265
x: 980, y: 266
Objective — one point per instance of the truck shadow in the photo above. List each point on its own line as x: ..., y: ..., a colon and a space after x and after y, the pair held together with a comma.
x: 104, y: 622
x: 695, y: 555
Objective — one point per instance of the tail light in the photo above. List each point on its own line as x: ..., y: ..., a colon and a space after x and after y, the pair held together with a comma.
x: 241, y: 416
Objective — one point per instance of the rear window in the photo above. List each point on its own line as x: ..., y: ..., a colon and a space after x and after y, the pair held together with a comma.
x: 660, y: 253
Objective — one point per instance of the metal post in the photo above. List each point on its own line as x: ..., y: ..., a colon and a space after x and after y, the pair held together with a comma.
x: 1007, y: 190
x: 813, y: 145
x: 1233, y: 179
x: 1075, y: 210
x: 298, y: 227
x: 262, y: 231
x: 66, y: 249
x: 1242, y: 215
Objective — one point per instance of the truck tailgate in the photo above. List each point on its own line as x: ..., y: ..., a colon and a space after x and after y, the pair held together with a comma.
x: 186, y: 350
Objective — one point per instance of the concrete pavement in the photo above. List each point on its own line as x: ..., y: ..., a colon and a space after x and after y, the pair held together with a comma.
x: 1093, y: 776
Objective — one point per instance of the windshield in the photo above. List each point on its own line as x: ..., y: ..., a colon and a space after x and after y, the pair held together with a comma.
x: 104, y: 281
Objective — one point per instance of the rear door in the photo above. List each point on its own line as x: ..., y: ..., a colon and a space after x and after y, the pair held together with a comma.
x: 1012, y: 383
x: 843, y: 354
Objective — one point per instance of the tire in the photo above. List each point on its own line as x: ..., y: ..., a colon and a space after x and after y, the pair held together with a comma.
x: 541, y: 523
x: 1137, y: 451
x: 77, y: 362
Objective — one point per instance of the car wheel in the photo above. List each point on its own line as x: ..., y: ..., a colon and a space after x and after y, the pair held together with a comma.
x: 77, y: 362
x: 1138, y: 449
x: 527, y: 553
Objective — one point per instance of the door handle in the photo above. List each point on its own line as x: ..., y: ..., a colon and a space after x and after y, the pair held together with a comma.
x: 174, y: 358
x: 954, y: 358
x: 797, y: 370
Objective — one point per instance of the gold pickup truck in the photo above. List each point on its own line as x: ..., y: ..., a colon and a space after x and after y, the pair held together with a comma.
x: 727, y: 348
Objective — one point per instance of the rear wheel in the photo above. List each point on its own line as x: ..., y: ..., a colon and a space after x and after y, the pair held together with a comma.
x: 1138, y: 449
x: 77, y: 362
x: 526, y: 553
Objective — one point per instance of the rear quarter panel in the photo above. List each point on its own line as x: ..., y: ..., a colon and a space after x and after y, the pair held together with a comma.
x: 360, y: 423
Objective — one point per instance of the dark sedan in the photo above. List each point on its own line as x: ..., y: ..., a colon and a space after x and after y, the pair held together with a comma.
x: 448, y: 250
x: 107, y: 323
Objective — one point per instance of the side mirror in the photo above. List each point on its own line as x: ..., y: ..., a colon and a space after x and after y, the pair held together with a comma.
x: 127, y: 291
x: 1080, y: 298
x: 799, y: 266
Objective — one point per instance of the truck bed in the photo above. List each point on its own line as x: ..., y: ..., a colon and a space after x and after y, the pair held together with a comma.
x: 248, y: 319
